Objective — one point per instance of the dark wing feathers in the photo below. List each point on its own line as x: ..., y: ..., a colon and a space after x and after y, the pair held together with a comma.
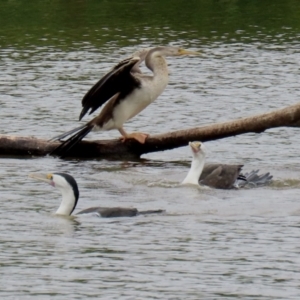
x: 148, y: 212
x: 220, y: 176
x: 113, y: 82
x: 115, y: 212
x: 110, y: 212
x: 103, y: 80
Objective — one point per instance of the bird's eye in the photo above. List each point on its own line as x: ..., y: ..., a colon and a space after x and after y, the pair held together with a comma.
x: 50, y: 176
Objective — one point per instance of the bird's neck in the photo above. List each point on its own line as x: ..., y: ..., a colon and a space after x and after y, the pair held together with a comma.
x: 195, y: 170
x: 68, y: 202
x: 157, y: 64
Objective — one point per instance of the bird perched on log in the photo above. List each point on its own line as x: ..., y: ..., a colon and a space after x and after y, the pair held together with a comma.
x: 70, y: 195
x: 220, y: 176
x: 125, y: 91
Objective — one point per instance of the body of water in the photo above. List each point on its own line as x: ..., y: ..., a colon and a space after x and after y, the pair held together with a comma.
x: 210, y: 244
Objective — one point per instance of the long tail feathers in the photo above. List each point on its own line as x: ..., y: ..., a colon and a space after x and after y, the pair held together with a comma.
x: 64, y: 147
x: 253, y: 179
x: 65, y: 134
x: 148, y: 212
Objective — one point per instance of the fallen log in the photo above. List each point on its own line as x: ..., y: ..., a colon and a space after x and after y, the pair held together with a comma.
x: 30, y: 146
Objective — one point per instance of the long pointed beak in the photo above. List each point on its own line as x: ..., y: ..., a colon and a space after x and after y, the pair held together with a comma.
x: 41, y: 177
x: 188, y: 52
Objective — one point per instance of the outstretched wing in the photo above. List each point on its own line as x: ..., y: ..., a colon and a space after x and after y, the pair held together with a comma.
x: 115, y: 81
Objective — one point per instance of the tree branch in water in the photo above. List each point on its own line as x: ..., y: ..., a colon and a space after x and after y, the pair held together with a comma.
x: 30, y: 146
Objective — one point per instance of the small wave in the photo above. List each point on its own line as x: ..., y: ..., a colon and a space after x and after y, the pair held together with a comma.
x: 285, y: 184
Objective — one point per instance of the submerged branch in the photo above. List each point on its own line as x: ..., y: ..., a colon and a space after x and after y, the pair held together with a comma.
x: 29, y: 146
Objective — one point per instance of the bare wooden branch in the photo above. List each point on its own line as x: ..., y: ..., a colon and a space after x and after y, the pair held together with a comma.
x: 30, y: 146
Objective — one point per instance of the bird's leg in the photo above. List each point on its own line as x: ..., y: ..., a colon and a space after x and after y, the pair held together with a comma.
x: 139, y: 136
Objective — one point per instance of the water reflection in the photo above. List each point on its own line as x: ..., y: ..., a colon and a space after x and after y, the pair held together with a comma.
x: 210, y: 244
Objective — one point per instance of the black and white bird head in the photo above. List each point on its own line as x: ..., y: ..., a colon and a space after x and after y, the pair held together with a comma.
x: 68, y: 187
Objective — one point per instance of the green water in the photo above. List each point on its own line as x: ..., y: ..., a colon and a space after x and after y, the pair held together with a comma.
x: 63, y: 24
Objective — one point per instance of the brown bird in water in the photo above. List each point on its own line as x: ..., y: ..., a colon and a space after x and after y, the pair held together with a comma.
x: 220, y: 176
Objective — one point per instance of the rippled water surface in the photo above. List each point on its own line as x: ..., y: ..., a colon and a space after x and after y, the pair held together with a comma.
x: 210, y: 244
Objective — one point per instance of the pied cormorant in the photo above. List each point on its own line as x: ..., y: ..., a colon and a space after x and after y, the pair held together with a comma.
x: 70, y: 195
